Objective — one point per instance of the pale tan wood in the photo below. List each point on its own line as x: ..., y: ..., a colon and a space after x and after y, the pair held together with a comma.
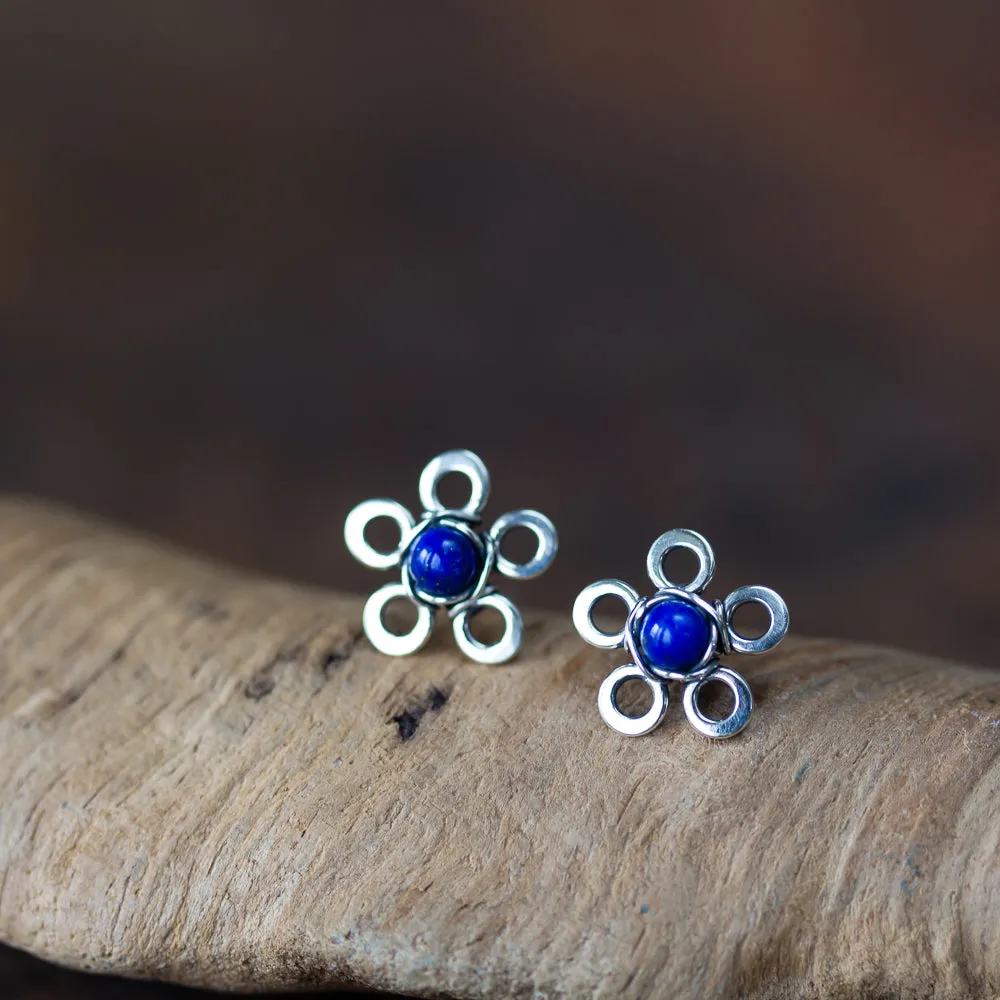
x: 204, y: 780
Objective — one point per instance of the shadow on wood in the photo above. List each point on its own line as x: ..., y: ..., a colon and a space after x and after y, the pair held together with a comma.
x: 23, y: 977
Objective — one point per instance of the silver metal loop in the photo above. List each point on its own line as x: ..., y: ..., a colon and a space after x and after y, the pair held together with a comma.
x: 388, y: 642
x: 469, y: 465
x: 607, y: 702
x: 776, y: 608
x: 545, y: 533
x: 681, y: 538
x: 583, y: 608
x: 720, y: 729
x: 506, y: 646
x: 361, y: 517
x: 725, y: 639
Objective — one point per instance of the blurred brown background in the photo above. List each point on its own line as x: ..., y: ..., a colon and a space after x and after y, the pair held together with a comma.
x: 730, y: 266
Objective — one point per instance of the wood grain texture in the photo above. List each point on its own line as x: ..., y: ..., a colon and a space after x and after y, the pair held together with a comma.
x: 214, y: 780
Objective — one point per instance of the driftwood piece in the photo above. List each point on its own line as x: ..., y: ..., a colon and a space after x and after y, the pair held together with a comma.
x: 214, y: 780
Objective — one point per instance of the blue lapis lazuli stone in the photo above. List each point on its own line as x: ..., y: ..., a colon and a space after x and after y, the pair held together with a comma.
x: 673, y: 636
x: 444, y: 562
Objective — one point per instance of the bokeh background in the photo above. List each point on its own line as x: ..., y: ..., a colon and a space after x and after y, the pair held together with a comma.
x: 728, y: 266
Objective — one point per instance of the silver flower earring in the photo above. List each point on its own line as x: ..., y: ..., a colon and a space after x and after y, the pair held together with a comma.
x: 447, y: 562
x: 676, y: 635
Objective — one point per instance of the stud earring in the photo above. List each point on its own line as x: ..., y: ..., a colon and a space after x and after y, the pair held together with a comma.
x: 447, y: 561
x: 676, y: 635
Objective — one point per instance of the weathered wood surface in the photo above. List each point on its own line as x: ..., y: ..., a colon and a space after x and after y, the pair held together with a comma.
x: 205, y: 779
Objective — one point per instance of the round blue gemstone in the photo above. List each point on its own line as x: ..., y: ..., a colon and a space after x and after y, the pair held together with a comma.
x: 444, y: 562
x: 673, y: 636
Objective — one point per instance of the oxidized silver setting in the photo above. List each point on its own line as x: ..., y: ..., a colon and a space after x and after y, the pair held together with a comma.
x: 480, y: 594
x: 724, y: 639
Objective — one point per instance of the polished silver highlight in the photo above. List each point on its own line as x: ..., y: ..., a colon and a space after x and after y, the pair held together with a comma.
x: 480, y: 594
x: 583, y: 612
x: 719, y: 729
x: 681, y: 538
x: 388, y: 642
x: 469, y: 465
x: 607, y: 702
x: 776, y: 608
x: 723, y: 639
x: 545, y: 536
x: 361, y: 517
x: 506, y: 646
